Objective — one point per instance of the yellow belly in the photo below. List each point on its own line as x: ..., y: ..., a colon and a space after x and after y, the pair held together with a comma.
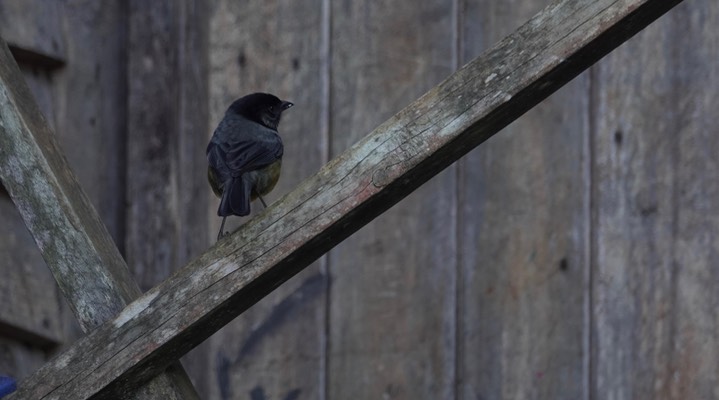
x: 264, y: 180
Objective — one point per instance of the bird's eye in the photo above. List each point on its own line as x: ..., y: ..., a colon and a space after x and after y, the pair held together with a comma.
x: 272, y: 108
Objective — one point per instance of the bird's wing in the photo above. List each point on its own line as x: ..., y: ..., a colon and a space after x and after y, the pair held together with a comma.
x: 256, y: 153
x: 239, y: 146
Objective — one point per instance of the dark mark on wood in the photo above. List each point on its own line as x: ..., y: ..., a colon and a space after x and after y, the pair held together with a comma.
x: 563, y: 264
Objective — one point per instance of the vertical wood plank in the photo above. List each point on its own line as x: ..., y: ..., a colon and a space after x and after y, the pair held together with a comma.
x: 392, y: 297
x: 167, y: 129
x: 152, y: 140
x: 523, y: 232
x: 193, y: 108
x: 91, y: 105
x: 657, y: 187
x: 276, y: 349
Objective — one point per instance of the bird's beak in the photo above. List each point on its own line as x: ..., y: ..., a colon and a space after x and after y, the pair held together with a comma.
x: 287, y: 104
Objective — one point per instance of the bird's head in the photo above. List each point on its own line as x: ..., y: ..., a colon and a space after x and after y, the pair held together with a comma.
x: 263, y: 108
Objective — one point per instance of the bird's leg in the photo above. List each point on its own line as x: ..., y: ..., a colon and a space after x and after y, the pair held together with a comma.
x: 262, y: 200
x: 222, y: 227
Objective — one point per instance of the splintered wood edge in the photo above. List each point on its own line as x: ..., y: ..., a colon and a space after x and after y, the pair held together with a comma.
x: 396, y: 158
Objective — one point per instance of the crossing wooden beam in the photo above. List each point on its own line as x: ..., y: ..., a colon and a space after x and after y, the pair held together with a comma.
x: 388, y: 164
x: 73, y: 240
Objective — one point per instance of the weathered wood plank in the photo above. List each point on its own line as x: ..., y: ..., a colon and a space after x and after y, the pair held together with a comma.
x: 357, y: 186
x: 32, y: 307
x: 29, y: 306
x: 279, y: 52
x: 657, y: 187
x: 392, y: 299
x: 55, y: 208
x: 523, y: 231
x: 75, y: 244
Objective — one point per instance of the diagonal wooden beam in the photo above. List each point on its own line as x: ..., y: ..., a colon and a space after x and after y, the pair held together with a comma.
x: 396, y: 158
x: 73, y: 241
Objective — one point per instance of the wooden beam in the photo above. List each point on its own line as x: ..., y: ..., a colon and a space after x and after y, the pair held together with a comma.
x: 69, y: 233
x: 377, y: 172
x: 72, y: 239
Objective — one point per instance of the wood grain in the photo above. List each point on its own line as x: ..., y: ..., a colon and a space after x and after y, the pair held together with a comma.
x: 392, y: 298
x: 523, y: 232
x: 357, y: 186
x: 656, y: 190
x: 276, y: 348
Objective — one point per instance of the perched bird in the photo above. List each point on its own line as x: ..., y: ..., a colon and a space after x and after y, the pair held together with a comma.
x: 245, y: 154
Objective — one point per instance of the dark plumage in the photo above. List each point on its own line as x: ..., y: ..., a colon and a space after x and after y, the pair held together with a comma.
x: 245, y: 153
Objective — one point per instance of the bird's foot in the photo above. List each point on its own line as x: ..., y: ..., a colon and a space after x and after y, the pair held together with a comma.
x: 222, y: 232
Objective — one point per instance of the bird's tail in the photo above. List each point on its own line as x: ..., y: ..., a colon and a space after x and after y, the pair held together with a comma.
x: 235, y: 197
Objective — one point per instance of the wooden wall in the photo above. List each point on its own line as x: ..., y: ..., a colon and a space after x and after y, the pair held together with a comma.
x: 572, y: 256
x: 655, y: 225
x: 569, y: 257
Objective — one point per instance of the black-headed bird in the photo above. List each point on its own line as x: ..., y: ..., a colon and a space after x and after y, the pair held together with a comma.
x: 245, y: 154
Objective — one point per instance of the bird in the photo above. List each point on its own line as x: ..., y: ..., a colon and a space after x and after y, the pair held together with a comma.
x: 245, y: 154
